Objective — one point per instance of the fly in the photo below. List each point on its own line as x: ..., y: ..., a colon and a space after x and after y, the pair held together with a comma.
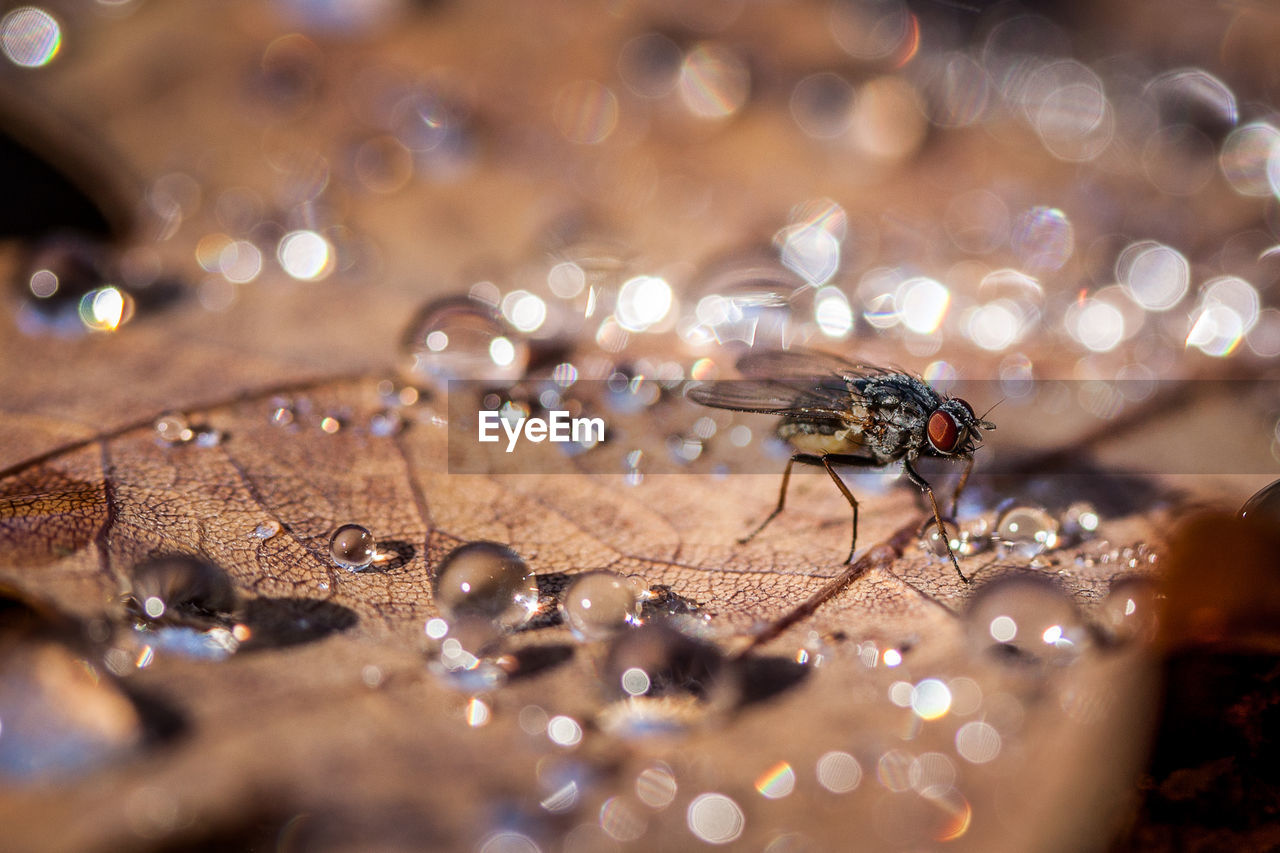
x: 835, y: 412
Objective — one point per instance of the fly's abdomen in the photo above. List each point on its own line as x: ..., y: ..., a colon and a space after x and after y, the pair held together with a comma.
x: 820, y: 436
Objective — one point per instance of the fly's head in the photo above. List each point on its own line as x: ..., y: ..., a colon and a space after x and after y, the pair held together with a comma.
x: 954, y: 430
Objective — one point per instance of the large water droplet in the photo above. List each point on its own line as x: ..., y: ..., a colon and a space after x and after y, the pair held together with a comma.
x: 1026, y: 618
x: 461, y: 338
x: 353, y: 547
x: 657, y: 659
x: 750, y: 299
x: 1027, y: 530
x: 1129, y: 611
x: 180, y: 590
x: 486, y: 579
x: 599, y: 604
x: 1264, y: 506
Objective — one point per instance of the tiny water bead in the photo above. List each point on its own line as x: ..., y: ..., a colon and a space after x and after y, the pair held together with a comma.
x: 486, y: 579
x: 463, y: 338
x: 1027, y: 531
x: 1264, y: 506
x: 599, y: 604
x: 180, y: 590
x: 1026, y: 618
x: 1129, y: 612
x: 353, y: 547
x: 173, y: 429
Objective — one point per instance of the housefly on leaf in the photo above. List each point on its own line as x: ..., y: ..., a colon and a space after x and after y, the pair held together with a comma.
x: 838, y: 413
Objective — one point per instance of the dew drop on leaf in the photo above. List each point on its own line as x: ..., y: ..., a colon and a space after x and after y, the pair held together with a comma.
x: 1129, y: 610
x: 180, y: 590
x: 352, y: 547
x: 1264, y: 505
x: 462, y: 338
x: 599, y: 604
x: 173, y: 429
x: 486, y: 579
x: 1027, y: 530
x: 1026, y: 618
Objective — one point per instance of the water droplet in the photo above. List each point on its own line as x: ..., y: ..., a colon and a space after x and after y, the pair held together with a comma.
x: 1264, y: 506
x: 1027, y: 530
x: 173, y: 429
x: 486, y: 579
x: 53, y: 280
x: 460, y: 338
x: 386, y: 423
x: 1026, y: 618
x: 599, y: 604
x: 657, y: 659
x: 353, y: 547
x: 937, y: 544
x: 1080, y: 521
x: 466, y: 652
x: 751, y: 299
x: 975, y: 537
x: 266, y: 529
x: 180, y: 590
x: 1129, y: 612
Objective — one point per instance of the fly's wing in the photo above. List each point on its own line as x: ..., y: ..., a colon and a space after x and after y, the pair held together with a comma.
x: 801, y: 365
x: 791, y: 382
x: 772, y: 398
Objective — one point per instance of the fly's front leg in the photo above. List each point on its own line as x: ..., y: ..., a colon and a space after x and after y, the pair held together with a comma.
x: 924, y: 486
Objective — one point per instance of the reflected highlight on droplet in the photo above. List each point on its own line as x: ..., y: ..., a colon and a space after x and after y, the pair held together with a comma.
x: 715, y: 819
x: 838, y: 772
x: 776, y: 782
x: 305, y: 255
x: 30, y: 37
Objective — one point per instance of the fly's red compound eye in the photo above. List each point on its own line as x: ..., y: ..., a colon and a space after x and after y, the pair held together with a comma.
x: 968, y: 409
x: 944, y: 432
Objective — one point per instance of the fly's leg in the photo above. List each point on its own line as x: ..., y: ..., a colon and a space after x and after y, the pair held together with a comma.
x: 924, y: 486
x: 848, y: 495
x: 782, y: 498
x: 955, y: 496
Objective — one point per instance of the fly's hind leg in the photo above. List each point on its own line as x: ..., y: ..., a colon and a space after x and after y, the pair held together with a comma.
x: 828, y: 461
x: 782, y: 496
x: 848, y: 495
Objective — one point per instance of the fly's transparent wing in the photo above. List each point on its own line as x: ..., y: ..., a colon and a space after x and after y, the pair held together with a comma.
x: 804, y: 365
x: 772, y: 398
